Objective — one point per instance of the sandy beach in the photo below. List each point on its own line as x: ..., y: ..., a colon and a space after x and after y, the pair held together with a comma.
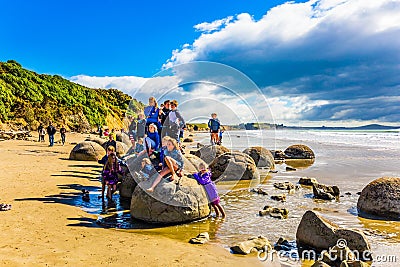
x: 45, y: 228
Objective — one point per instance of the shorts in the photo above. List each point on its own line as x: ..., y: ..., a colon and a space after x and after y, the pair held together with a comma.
x: 214, y: 131
x: 215, y: 202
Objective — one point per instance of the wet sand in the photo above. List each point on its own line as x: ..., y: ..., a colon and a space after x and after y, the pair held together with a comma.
x: 46, y: 228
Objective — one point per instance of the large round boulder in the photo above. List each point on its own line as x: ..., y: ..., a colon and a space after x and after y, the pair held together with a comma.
x: 124, y: 138
x: 98, y: 140
x: 128, y: 182
x: 261, y: 156
x: 87, y: 151
x: 381, y: 198
x: 121, y: 148
x: 318, y: 233
x: 234, y: 166
x: 170, y: 203
x: 191, y: 163
x: 209, y: 153
x: 299, y: 152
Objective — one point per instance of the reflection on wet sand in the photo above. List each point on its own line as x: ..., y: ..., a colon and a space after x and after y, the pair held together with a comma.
x: 299, y: 163
x: 388, y: 230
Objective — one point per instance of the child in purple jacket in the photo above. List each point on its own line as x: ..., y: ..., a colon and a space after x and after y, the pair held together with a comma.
x: 110, y: 175
x: 203, y: 177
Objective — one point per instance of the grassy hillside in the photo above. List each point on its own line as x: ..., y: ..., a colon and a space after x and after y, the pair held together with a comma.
x: 28, y: 98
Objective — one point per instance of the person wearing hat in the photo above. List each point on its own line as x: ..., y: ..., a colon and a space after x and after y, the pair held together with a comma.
x: 174, y: 122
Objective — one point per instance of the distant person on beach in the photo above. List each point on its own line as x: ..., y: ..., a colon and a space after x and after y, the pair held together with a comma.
x: 42, y: 132
x: 203, y: 177
x: 174, y: 164
x: 106, y: 132
x: 63, y: 131
x: 39, y: 129
x: 152, y: 113
x: 100, y: 132
x: 221, y: 131
x: 110, y: 175
x: 111, y: 142
x: 51, y: 131
x: 214, y: 126
x: 174, y: 121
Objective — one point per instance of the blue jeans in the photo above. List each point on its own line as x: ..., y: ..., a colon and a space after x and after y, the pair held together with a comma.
x: 51, y: 139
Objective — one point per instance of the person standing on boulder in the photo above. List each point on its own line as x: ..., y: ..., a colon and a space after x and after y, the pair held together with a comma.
x: 51, y: 131
x: 110, y: 142
x: 174, y: 122
x: 63, y: 131
x: 203, y: 177
x: 164, y: 115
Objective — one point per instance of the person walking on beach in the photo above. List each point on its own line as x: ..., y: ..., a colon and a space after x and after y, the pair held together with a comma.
x: 203, y: 177
x: 39, y: 129
x: 214, y: 126
x: 51, y: 131
x: 174, y: 164
x: 63, y: 131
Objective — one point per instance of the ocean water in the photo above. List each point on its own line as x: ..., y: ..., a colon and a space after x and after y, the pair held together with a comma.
x: 348, y: 159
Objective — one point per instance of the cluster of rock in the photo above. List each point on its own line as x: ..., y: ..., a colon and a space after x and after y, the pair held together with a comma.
x: 93, y: 149
x: 274, y: 212
x: 18, y: 135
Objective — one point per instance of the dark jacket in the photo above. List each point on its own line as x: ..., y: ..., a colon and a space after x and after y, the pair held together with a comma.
x: 51, y: 130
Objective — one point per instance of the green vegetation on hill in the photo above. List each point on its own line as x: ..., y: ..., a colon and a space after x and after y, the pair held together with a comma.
x: 28, y: 98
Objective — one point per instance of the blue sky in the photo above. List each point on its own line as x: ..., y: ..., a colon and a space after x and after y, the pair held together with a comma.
x: 317, y: 62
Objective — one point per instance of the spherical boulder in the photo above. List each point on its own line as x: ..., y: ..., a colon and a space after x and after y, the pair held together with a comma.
x: 121, y: 148
x: 261, y: 156
x: 318, y: 233
x: 124, y: 138
x: 170, y: 203
x: 209, y: 153
x: 299, y: 152
x: 234, y: 166
x: 98, y: 140
x: 87, y: 151
x: 191, y: 163
x: 381, y: 198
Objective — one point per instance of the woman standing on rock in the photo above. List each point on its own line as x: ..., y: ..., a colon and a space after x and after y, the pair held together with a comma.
x: 174, y: 163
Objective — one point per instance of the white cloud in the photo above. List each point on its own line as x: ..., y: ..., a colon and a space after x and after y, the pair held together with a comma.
x: 310, y: 54
x: 213, y: 26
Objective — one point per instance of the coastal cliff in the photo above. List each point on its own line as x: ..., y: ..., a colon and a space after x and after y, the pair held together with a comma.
x: 28, y: 99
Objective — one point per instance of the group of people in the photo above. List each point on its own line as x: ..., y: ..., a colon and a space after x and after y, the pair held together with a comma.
x: 51, y: 131
x: 155, y: 136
